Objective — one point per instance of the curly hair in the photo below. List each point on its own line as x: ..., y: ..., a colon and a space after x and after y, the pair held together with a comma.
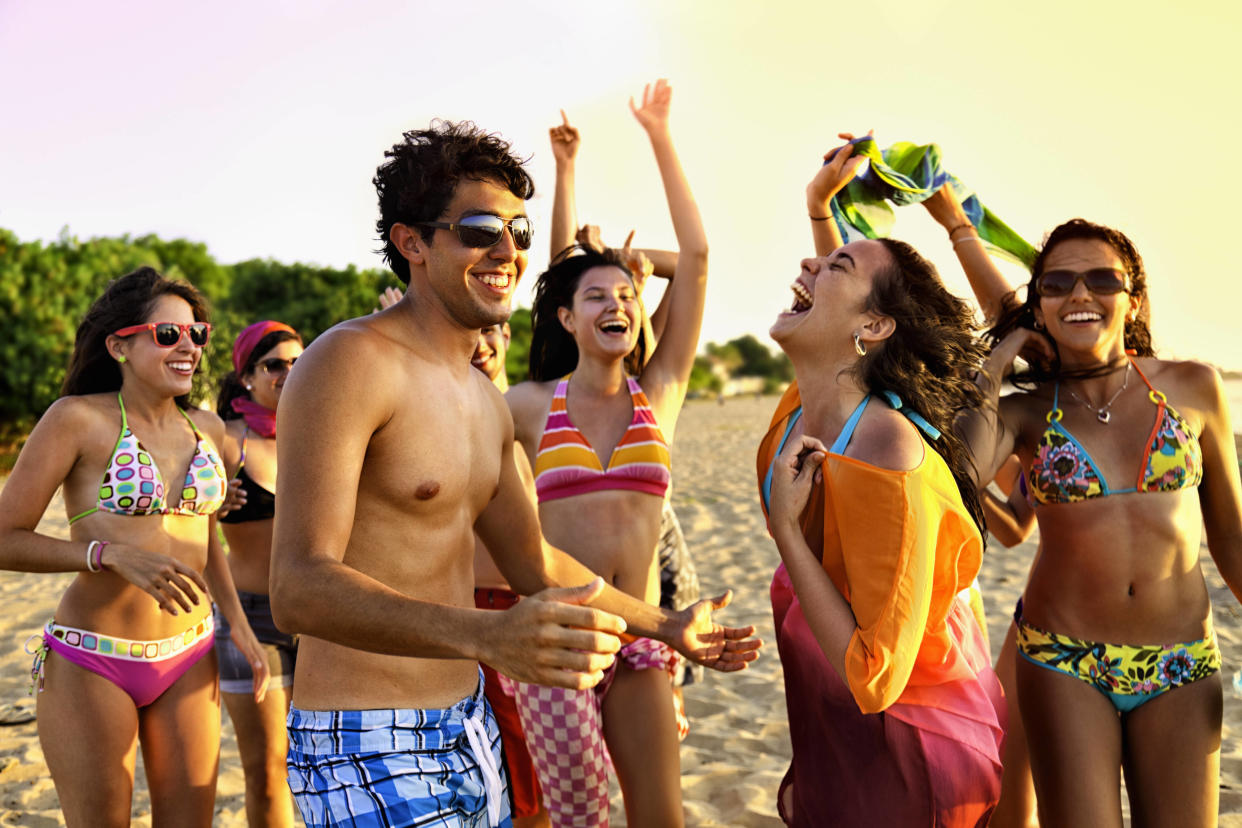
x: 929, y: 358
x: 417, y: 180
x: 231, y: 386
x: 553, y: 352
x: 126, y: 301
x: 1021, y: 314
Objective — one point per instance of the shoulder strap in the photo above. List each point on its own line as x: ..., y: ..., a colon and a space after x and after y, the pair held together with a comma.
x: 843, y: 439
x: 913, y: 416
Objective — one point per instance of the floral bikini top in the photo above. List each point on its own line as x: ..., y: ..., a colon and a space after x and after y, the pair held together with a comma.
x: 1063, y: 471
x: 132, y: 485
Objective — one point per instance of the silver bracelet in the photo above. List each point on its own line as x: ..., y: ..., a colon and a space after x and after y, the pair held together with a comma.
x: 966, y: 238
x: 90, y: 557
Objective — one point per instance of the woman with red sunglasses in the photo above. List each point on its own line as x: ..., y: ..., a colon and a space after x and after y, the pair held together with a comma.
x: 263, y: 355
x: 1127, y: 457
x: 128, y: 658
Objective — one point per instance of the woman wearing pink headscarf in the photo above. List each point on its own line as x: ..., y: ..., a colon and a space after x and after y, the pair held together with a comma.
x: 263, y: 355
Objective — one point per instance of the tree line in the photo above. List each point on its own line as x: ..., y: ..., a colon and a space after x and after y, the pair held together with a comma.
x: 46, y: 288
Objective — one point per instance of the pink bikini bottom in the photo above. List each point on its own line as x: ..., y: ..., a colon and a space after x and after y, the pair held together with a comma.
x: 143, y: 669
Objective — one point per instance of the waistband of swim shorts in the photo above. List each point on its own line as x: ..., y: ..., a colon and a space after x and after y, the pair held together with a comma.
x: 330, y: 732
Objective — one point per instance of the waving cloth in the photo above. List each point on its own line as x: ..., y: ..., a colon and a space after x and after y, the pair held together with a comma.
x: 904, y: 174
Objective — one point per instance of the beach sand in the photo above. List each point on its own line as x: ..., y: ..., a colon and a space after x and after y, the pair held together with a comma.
x: 738, y: 747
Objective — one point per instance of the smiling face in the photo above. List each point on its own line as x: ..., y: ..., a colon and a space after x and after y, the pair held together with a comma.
x: 267, y: 379
x: 830, y: 298
x: 169, y: 370
x: 605, y: 318
x: 489, y: 353
x: 1083, y: 323
x: 473, y: 284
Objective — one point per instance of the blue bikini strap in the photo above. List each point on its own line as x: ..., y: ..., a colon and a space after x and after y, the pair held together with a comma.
x: 913, y: 416
x: 843, y: 439
x: 767, y: 478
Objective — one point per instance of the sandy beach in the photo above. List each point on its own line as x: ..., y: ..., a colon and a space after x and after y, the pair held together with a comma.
x: 738, y: 746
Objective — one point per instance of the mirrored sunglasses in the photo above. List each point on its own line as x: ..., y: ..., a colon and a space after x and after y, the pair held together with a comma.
x: 168, y: 334
x: 485, y: 230
x: 1101, y: 280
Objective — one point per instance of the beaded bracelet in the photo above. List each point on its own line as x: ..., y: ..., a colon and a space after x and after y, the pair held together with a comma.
x: 957, y: 227
x: 818, y: 218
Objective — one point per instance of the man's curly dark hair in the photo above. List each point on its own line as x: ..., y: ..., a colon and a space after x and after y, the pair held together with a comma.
x: 419, y: 175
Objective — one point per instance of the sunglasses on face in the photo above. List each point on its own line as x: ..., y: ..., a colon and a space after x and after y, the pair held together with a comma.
x: 276, y: 365
x: 1100, y: 280
x: 168, y: 334
x: 485, y: 230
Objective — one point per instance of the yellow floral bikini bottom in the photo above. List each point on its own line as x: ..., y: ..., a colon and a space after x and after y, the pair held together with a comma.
x: 1127, y: 675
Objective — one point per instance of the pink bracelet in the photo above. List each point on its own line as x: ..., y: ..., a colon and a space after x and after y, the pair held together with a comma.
x: 99, y: 567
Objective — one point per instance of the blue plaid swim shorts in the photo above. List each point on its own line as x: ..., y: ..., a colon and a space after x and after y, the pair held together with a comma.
x: 440, y: 768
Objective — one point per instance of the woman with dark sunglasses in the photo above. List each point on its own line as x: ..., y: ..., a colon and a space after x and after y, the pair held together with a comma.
x: 1127, y: 457
x: 263, y: 355
x: 595, y: 422
x: 128, y: 658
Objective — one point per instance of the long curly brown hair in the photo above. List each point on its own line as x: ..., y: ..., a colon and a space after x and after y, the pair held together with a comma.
x: 929, y: 359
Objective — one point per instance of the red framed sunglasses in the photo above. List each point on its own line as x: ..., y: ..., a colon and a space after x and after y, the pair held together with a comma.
x: 168, y: 334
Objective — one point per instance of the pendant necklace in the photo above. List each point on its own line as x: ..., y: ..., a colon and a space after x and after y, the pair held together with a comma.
x: 1102, y: 413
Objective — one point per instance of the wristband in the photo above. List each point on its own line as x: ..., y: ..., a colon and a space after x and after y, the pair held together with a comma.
x: 956, y: 242
x: 957, y: 227
x: 99, y: 567
x: 818, y: 218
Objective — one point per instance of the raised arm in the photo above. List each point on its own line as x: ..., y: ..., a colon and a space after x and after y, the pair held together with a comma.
x: 989, y: 285
x: 840, y: 165
x: 565, y: 142
x: 667, y: 374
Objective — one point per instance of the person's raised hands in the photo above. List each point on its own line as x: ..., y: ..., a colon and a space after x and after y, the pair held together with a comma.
x: 565, y: 140
x: 653, y: 112
x: 589, y: 237
x: 841, y: 166
x: 640, y: 266
x: 946, y: 209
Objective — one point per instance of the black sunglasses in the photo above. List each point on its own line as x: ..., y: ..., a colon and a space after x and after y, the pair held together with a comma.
x: 168, y: 334
x: 1100, y: 280
x: 276, y: 365
x: 485, y: 230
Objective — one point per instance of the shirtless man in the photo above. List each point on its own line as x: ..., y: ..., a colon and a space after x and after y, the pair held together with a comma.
x: 393, y: 452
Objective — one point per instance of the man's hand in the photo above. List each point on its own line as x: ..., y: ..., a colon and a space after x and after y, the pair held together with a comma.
x: 705, y: 642
x: 565, y: 140
x: 551, y: 638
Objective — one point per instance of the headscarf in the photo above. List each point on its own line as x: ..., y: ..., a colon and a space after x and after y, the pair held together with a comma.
x: 259, y: 418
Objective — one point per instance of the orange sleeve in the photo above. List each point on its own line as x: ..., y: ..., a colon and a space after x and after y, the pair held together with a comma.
x: 887, y: 553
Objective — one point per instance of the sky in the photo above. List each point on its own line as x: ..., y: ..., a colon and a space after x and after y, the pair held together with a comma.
x: 255, y: 127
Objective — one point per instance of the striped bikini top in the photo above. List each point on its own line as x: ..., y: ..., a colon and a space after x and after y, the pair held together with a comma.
x: 566, y: 465
x: 132, y: 484
x: 1063, y: 471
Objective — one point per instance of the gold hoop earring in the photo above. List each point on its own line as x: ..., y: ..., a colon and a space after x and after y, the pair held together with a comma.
x: 859, y: 347
x: 1039, y: 326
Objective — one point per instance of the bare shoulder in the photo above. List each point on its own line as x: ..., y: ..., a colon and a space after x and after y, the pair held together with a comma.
x: 887, y: 439
x: 529, y: 403
x: 209, y: 423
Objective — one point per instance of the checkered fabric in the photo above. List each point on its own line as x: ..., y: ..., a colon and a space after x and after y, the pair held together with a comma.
x: 398, y: 767
x: 565, y: 734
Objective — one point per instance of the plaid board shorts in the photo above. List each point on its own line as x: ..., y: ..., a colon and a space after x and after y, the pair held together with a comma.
x: 440, y: 768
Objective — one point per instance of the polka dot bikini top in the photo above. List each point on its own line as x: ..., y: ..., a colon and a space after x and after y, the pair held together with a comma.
x: 133, y: 485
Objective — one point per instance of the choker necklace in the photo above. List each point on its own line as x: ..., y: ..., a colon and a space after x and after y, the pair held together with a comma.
x: 1102, y: 413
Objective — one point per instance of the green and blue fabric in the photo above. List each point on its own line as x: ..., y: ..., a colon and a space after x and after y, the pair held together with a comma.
x: 908, y: 173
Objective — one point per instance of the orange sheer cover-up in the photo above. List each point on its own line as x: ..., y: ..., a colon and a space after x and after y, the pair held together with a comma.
x: 913, y: 734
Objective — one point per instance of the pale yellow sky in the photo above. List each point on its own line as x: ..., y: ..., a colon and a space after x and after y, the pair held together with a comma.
x: 259, y: 134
